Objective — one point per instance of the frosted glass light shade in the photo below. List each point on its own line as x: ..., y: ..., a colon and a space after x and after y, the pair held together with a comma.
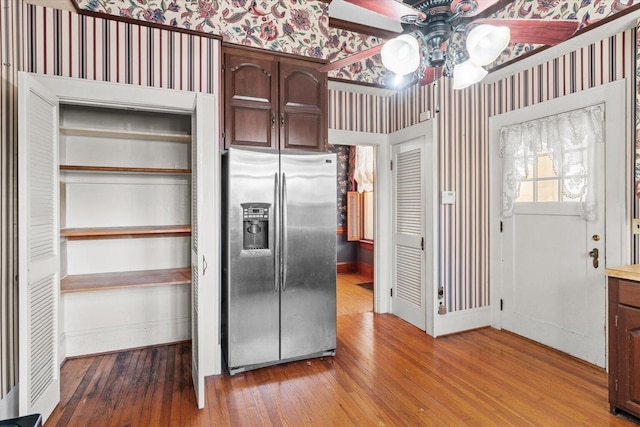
x: 485, y: 43
x: 401, y: 55
x: 466, y: 74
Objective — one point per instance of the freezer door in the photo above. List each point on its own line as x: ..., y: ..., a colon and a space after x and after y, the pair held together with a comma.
x: 308, y: 288
x: 252, y: 305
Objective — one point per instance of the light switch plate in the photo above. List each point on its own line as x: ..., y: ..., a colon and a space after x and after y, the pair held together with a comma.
x: 448, y: 197
x: 425, y: 115
x: 635, y: 224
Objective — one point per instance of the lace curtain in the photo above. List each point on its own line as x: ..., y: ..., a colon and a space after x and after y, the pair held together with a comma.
x: 570, y: 139
x: 364, y: 172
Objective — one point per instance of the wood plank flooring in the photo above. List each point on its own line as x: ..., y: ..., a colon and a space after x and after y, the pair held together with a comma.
x: 352, y: 298
x: 385, y: 373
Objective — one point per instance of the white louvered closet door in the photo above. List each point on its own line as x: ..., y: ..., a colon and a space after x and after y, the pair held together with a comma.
x: 197, y: 258
x: 408, y: 298
x: 38, y: 248
x: 204, y: 235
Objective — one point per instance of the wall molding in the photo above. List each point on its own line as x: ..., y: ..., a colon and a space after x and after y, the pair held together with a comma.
x: 460, y: 321
x: 346, y: 267
x: 124, y: 337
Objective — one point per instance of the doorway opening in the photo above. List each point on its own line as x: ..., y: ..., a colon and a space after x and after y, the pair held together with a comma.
x: 355, y: 227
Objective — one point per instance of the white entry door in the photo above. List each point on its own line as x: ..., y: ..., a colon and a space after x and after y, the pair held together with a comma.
x: 410, y: 184
x: 553, y: 290
x: 548, y: 259
x: 543, y: 257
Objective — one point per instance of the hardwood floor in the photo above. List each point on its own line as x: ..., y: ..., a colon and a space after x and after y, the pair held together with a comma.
x: 352, y: 298
x: 385, y: 373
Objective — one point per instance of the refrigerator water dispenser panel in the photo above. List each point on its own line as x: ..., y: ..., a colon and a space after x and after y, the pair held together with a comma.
x: 255, y: 225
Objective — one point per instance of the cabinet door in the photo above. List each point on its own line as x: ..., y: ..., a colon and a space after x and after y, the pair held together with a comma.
x: 629, y: 358
x: 250, y: 101
x: 303, y: 105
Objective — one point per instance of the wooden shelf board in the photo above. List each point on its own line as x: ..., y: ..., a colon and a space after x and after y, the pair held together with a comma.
x: 124, y: 232
x: 111, y: 169
x: 126, y: 279
x: 105, y: 133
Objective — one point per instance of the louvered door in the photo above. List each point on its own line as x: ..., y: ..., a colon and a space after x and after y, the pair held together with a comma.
x: 408, y: 299
x: 204, y: 255
x: 38, y: 247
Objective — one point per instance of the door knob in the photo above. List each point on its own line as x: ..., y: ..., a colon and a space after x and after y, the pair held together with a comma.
x: 594, y: 254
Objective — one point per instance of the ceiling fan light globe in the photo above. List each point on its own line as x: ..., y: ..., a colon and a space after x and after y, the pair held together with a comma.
x: 485, y: 43
x: 466, y: 74
x: 401, y: 55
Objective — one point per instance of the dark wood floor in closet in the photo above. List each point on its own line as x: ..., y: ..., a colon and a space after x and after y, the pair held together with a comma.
x: 385, y: 373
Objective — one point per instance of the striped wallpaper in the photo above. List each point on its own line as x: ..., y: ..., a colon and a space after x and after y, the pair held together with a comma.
x: 358, y: 112
x: 463, y: 144
x: 64, y: 43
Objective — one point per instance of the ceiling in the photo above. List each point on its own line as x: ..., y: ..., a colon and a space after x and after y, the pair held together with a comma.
x: 615, y: 16
x: 592, y: 15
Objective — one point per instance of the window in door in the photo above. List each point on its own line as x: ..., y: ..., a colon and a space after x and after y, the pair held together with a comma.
x: 543, y: 183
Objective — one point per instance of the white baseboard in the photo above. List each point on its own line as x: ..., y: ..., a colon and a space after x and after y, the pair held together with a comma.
x: 459, y: 321
x: 9, y: 404
x: 101, y: 340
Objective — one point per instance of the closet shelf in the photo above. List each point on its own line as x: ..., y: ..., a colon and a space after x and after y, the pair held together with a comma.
x: 88, y: 233
x: 126, y: 279
x: 112, y: 169
x: 122, y: 134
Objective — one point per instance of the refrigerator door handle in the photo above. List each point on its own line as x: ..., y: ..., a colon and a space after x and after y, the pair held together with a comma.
x: 284, y: 231
x: 276, y: 252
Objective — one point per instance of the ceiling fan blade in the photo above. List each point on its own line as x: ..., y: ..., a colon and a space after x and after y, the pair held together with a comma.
x: 536, y: 31
x: 431, y: 74
x: 392, y: 9
x: 351, y: 59
x: 482, y: 5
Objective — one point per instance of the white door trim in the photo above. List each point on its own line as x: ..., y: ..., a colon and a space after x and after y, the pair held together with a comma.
x: 108, y: 94
x: 618, y: 189
x: 382, y: 210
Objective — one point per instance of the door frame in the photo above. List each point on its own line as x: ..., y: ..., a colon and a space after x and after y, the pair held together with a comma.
x: 381, y: 211
x: 383, y: 232
x: 618, y: 187
x: 102, y: 94
x: 427, y: 133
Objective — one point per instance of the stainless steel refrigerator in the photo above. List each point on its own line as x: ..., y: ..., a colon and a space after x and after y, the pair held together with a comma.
x: 279, y: 257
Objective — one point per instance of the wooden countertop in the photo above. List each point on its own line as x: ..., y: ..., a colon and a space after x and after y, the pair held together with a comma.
x: 629, y: 272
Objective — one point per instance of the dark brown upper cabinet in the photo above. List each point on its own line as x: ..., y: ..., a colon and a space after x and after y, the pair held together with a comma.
x: 274, y: 102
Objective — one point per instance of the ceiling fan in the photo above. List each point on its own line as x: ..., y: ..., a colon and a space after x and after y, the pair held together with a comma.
x: 450, y: 38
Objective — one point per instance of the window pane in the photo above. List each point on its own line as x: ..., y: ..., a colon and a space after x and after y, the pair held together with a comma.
x: 548, y: 191
x: 526, y: 192
x: 545, y: 167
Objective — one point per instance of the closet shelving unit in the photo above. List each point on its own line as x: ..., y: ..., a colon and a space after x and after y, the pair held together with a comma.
x: 137, y: 166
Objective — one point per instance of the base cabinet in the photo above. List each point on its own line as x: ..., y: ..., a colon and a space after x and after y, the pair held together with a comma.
x: 624, y: 346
